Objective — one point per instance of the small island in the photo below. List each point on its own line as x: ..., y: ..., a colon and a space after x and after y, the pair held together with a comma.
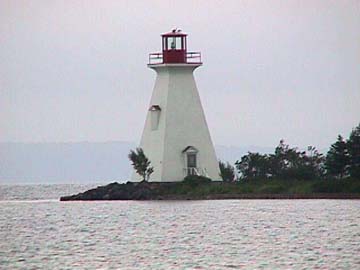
x: 288, y: 173
x: 201, y: 188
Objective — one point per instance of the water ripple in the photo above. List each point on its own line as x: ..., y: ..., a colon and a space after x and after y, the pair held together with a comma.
x: 242, y: 234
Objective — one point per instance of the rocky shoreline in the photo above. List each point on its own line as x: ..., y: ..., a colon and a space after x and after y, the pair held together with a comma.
x: 189, y: 191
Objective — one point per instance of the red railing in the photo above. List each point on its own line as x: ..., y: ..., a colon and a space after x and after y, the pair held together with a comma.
x: 191, y: 58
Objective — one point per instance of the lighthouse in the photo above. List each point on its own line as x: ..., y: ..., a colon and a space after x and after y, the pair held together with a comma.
x: 176, y: 138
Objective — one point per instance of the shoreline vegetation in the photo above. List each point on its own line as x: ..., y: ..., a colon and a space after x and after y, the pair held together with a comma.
x: 288, y: 173
x: 201, y: 188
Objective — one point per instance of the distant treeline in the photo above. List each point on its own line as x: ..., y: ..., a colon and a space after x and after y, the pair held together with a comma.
x: 341, y: 161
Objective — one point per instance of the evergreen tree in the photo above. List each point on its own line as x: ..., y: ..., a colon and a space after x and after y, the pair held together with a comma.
x: 141, y: 163
x: 284, y: 161
x: 353, y: 144
x: 226, y: 171
x: 337, y: 159
x: 290, y: 163
x: 253, y: 165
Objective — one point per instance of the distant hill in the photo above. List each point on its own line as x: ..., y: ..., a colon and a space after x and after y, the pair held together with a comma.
x: 81, y: 162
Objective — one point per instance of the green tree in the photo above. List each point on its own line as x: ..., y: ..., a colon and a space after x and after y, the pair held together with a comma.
x: 286, y: 161
x: 253, y: 165
x: 283, y: 159
x: 289, y: 163
x: 353, y: 144
x: 337, y: 159
x: 313, y: 163
x: 141, y: 163
x: 227, y: 172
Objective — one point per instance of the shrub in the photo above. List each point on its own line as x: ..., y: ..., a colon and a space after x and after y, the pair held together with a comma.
x: 195, y: 180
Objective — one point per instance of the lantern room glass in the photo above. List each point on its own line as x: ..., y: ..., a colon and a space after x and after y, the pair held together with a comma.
x: 174, y: 43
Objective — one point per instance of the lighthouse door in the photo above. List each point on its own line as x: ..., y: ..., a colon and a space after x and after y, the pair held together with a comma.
x: 191, y: 160
x: 191, y: 163
x: 190, y: 156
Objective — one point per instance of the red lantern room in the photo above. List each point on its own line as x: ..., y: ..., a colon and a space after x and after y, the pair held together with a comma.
x: 174, y: 47
x: 174, y: 50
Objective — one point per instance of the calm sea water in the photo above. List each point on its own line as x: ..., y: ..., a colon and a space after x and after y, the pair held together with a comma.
x: 39, y: 232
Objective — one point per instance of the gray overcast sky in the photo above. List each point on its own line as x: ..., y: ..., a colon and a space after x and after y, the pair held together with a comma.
x: 76, y: 70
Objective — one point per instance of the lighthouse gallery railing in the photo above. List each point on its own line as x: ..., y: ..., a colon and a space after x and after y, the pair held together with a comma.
x: 191, y: 58
x: 195, y: 171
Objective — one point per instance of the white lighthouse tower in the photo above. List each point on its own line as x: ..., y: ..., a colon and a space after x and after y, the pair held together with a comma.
x: 176, y: 137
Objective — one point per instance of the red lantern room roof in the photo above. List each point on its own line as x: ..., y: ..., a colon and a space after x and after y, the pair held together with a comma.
x: 174, y: 33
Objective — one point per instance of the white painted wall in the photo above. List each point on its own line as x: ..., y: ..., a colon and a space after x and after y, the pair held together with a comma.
x: 181, y: 123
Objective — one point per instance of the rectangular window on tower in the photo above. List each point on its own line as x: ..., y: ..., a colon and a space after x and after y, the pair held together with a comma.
x: 155, y: 111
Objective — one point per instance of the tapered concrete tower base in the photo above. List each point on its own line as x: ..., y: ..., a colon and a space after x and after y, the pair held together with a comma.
x: 176, y: 137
